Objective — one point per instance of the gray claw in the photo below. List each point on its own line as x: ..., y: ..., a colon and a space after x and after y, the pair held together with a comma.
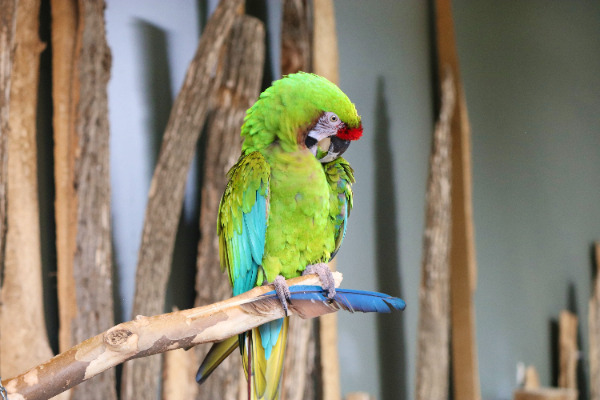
x: 325, y: 275
x: 283, y: 292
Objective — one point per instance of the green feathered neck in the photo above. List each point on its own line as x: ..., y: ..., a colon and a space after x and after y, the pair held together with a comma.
x: 289, y: 107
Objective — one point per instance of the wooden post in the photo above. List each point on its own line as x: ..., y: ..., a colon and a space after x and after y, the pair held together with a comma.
x: 594, y: 331
x: 8, y: 19
x: 325, y: 63
x: 165, y: 199
x: 532, y: 378
x: 64, y: 34
x: 81, y: 70
x: 434, y: 311
x: 22, y: 303
x: 568, y: 351
x: 463, y: 275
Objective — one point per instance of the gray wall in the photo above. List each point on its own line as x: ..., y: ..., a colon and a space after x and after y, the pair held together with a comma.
x: 530, y: 70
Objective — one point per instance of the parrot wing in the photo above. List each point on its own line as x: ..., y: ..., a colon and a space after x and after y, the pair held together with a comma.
x: 340, y: 177
x: 242, y: 221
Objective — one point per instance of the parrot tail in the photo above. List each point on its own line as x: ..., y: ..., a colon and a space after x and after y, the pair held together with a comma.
x: 217, y: 353
x: 263, y: 355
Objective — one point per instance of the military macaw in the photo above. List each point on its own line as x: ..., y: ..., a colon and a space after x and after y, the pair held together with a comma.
x: 284, y: 209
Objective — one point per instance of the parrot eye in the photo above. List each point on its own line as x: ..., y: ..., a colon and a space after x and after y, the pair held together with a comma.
x: 334, y: 119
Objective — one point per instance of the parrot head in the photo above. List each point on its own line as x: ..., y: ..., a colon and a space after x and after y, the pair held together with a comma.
x: 302, y: 110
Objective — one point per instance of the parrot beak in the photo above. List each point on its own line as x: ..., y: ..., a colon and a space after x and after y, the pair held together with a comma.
x: 337, y: 147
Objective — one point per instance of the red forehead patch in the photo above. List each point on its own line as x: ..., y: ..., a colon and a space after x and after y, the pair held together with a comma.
x: 347, y: 133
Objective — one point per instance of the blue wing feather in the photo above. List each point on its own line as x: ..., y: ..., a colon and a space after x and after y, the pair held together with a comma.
x: 347, y: 299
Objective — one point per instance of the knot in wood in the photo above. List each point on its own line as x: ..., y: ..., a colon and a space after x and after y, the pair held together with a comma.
x: 117, y: 337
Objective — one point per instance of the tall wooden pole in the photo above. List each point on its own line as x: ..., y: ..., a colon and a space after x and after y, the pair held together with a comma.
x: 463, y: 274
x: 434, y: 294
x: 81, y: 70
x: 325, y: 63
x: 22, y: 303
x: 8, y: 21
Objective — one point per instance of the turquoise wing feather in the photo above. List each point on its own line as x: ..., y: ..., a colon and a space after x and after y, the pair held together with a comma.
x: 242, y: 221
x: 340, y: 178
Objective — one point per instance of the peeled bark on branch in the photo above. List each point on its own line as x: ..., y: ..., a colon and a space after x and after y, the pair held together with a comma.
x: 22, y: 303
x: 146, y: 336
x: 165, y: 200
x: 242, y: 65
x: 434, y: 295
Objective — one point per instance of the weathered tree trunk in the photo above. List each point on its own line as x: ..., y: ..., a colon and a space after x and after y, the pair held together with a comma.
x: 242, y: 67
x: 567, y: 350
x: 81, y: 65
x: 463, y: 275
x: 22, y: 304
x: 434, y: 296
x: 141, y: 377
x: 325, y: 63
x: 296, y: 37
x: 8, y: 20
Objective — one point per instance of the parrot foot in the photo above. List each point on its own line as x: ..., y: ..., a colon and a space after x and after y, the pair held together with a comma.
x: 325, y: 275
x: 283, y: 292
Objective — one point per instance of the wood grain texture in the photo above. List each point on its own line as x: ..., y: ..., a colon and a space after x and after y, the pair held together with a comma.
x: 594, y: 330
x: 22, y: 302
x: 567, y: 350
x: 64, y: 33
x: 296, y: 38
x: 92, y: 258
x: 165, y: 199
x: 8, y: 22
x: 434, y: 294
x: 146, y: 336
x: 325, y: 61
x: 463, y: 276
x: 242, y: 67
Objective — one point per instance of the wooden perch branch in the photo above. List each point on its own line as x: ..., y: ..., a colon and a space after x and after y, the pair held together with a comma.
x: 145, y: 336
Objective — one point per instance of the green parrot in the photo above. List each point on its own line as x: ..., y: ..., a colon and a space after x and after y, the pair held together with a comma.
x: 284, y: 210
